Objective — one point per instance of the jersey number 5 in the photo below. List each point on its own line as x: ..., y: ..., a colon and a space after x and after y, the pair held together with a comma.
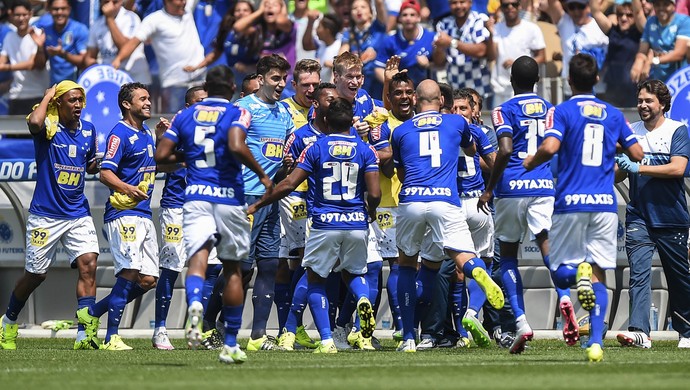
x: 208, y: 144
x: 344, y: 172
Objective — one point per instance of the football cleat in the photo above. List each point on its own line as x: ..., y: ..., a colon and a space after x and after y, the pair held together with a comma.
x: 212, y: 339
x: 287, y: 340
x: 327, y: 347
x: 493, y: 292
x: 353, y: 337
x: 341, y: 338
x: 90, y: 323
x: 684, y: 342
x: 397, y: 336
x: 302, y: 338
x: 571, y: 329
x: 479, y: 334
x: 523, y: 335
x: 426, y: 344
x: 634, y: 339
x: 193, y: 330
x: 231, y: 355
x: 585, y: 292
x: 407, y: 346
x: 367, y: 321
x: 365, y: 344
x: 463, y: 342
x: 595, y: 353
x: 116, y: 344
x: 8, y: 334
x: 86, y: 344
x: 376, y: 343
x: 160, y: 340
x: 265, y: 343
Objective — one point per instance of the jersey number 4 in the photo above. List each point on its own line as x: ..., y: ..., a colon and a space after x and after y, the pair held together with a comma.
x: 344, y: 173
x: 430, y: 145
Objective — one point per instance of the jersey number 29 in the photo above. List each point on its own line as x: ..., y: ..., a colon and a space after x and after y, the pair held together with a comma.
x: 344, y: 172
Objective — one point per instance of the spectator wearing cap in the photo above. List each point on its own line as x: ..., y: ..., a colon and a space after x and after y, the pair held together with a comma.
x: 109, y: 33
x: 412, y: 43
x: 666, y: 34
x: 462, y: 47
x: 513, y: 38
x: 176, y: 43
x: 624, y: 34
x: 579, y: 32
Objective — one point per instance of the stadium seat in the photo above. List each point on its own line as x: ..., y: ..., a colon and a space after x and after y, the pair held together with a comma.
x: 659, y: 298
x: 610, y: 288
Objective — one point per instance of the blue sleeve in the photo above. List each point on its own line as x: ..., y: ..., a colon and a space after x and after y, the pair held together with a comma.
x: 466, y: 137
x: 385, y: 53
x: 116, y: 147
x: 627, y: 138
x: 501, y: 121
x: 555, y: 123
x: 484, y: 146
x: 379, y: 136
x: 309, y: 158
x: 371, y: 159
x: 173, y: 132
x: 242, y: 119
x: 647, y: 29
x: 683, y: 27
x: 680, y: 142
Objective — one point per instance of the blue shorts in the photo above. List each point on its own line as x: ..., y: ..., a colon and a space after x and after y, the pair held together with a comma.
x: 265, y: 233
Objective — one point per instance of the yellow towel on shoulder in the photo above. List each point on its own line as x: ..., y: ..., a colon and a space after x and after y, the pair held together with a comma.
x: 52, y: 117
x: 124, y: 202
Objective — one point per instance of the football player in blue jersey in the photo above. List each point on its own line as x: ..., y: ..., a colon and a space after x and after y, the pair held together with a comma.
x: 59, y: 211
x: 585, y: 131
x: 212, y: 135
x: 340, y: 168
x: 426, y: 150
x: 524, y: 200
x: 270, y: 126
x: 129, y: 170
x: 316, y: 128
x: 657, y: 214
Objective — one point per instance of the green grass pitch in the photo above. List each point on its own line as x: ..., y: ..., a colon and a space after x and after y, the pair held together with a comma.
x: 547, y: 364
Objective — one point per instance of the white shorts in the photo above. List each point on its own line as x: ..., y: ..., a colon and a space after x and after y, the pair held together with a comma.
x: 173, y: 255
x: 293, y: 221
x: 325, y: 247
x: 227, y: 226
x: 432, y: 227
x: 481, y: 227
x: 373, y: 251
x: 385, y: 230
x: 133, y: 244
x: 77, y: 236
x: 514, y: 216
x: 578, y: 237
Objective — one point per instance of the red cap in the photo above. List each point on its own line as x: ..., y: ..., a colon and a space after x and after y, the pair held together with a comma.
x: 411, y: 4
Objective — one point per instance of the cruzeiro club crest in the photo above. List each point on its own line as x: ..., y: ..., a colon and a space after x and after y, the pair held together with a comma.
x: 679, y: 86
x: 102, y: 84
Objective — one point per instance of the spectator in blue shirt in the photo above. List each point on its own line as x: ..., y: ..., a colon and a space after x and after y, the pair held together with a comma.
x: 65, y: 44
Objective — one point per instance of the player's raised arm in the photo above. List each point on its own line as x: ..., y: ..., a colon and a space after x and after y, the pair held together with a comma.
x: 36, y: 120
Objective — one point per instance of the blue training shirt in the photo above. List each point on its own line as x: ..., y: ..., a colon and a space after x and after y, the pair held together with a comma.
x: 427, y: 147
x: 213, y: 173
x: 470, y: 179
x: 588, y: 129
x: 60, y: 168
x: 660, y: 203
x: 336, y: 165
x: 266, y: 135
x: 74, y: 38
x: 129, y: 155
x: 523, y: 119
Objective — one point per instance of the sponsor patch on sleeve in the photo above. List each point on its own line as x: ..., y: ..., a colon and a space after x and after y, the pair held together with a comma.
x: 497, y: 117
x: 113, y: 145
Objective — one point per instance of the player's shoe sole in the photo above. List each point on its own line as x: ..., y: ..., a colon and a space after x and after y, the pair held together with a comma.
x: 479, y: 334
x: 494, y: 294
x: 193, y: 331
x: 585, y: 292
x: 571, y: 330
x: 367, y: 322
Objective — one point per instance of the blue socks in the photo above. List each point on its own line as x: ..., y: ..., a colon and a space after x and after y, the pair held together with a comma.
x: 459, y: 295
x: 597, y: 314
x: 512, y: 283
x: 262, y: 295
x: 562, y: 292
x: 392, y: 290
x: 282, y: 300
x: 232, y: 317
x: 116, y: 305
x: 477, y: 297
x: 319, y: 309
x: 407, y: 297
x: 14, y: 308
x: 164, y: 291
x: 426, y: 278
x: 194, y: 286
x: 212, y: 272
x: 565, y: 276
x: 215, y: 304
x: 299, y: 303
x: 83, y: 302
